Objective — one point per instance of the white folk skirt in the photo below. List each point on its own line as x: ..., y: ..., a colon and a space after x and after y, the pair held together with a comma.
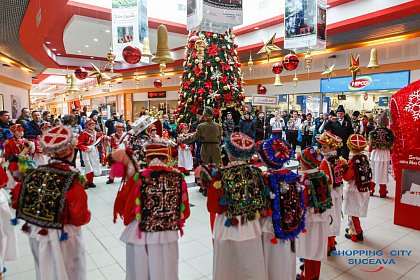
x: 8, y: 245
x: 379, y: 162
x: 355, y: 203
x: 92, y: 163
x: 185, y: 158
x: 312, y: 244
x: 335, y: 213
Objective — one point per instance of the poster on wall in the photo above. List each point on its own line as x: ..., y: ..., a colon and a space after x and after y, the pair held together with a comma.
x: 305, y: 24
x: 129, y: 24
x: 214, y: 15
x: 16, y: 106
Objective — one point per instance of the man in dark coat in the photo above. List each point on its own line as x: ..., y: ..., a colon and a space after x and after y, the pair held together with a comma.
x: 342, y: 127
x: 247, y: 126
x: 260, y: 126
x: 32, y: 128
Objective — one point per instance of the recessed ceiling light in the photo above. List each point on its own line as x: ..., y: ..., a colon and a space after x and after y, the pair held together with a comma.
x: 59, y: 54
x: 96, y: 40
x: 107, y: 31
x: 91, y: 57
x: 79, y: 51
x: 53, y: 50
x: 256, y: 28
x: 48, y: 42
x: 86, y: 46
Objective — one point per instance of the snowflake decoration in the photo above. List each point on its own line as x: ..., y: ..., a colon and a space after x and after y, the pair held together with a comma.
x: 413, y: 106
x: 216, y: 75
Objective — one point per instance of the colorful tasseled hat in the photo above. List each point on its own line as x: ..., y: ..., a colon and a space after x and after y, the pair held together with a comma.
x: 150, y: 128
x: 90, y: 121
x: 16, y: 127
x: 45, y: 125
x: 181, y: 126
x: 310, y: 158
x: 157, y: 148
x: 240, y: 146
x: 58, y: 142
x: 275, y: 152
x: 327, y: 138
x: 356, y: 143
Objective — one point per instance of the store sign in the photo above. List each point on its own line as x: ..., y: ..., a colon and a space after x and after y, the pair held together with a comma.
x: 383, y: 101
x: 156, y: 94
x: 264, y: 100
x: 381, y: 81
x: 283, y: 98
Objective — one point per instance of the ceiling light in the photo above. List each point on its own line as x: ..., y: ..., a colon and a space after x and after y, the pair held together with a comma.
x: 96, y: 40
x: 91, y: 57
x: 48, y: 42
x: 79, y: 51
x: 59, y: 54
x: 107, y: 31
x: 86, y: 46
x: 256, y: 28
x: 53, y: 50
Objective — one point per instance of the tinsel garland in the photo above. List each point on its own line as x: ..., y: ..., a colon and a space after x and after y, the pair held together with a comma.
x: 289, y: 178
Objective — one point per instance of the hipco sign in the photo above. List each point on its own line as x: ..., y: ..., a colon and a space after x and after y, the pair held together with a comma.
x: 360, y: 83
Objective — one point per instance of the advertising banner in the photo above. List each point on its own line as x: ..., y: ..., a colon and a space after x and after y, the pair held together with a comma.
x: 264, y: 100
x: 129, y: 24
x: 214, y: 15
x: 305, y: 24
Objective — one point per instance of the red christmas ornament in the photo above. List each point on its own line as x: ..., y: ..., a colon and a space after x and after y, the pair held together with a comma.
x: 277, y: 68
x: 157, y: 83
x: 182, y: 104
x: 290, y: 62
x: 189, y: 65
x: 223, y: 48
x: 191, y: 41
x: 261, y: 89
x: 200, y: 99
x: 208, y: 64
x: 81, y: 73
x: 193, y: 90
x: 217, y: 96
x: 216, y: 111
x: 131, y: 54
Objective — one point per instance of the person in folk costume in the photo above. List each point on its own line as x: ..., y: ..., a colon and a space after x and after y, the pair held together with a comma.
x: 117, y: 140
x: 154, y: 206
x: 185, y: 159
x: 237, y: 197
x: 210, y: 134
x: 53, y: 203
x: 286, y: 214
x: 8, y: 245
x: 381, y: 140
x: 359, y: 177
x: 87, y: 144
x: 312, y: 242
x: 17, y: 151
x: 334, y: 166
x: 38, y: 156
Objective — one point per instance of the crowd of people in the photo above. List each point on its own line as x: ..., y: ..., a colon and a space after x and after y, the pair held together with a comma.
x: 255, y: 216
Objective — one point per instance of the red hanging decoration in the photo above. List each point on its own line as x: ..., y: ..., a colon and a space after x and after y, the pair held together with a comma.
x: 191, y: 42
x: 131, y: 54
x: 261, y: 89
x: 290, y: 62
x: 81, y: 73
x: 277, y: 68
x: 157, y: 83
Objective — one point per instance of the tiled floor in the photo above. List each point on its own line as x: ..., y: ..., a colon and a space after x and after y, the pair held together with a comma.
x: 106, y: 254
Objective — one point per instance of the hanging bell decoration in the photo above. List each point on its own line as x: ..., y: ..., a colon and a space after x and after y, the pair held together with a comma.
x: 73, y: 83
x: 163, y: 55
x: 200, y: 46
x: 146, y: 48
x: 295, y: 80
x: 250, y: 64
x: 373, y: 61
x: 308, y: 59
x: 110, y: 56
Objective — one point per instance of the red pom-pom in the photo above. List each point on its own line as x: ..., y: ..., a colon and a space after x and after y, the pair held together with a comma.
x: 304, y: 230
x: 25, y: 227
x: 274, y: 241
x: 43, y: 232
x: 353, y: 238
x: 235, y: 221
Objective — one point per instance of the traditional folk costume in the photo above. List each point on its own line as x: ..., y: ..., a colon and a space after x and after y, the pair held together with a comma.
x: 286, y: 214
x: 154, y: 206
x: 381, y: 140
x: 118, y: 141
x: 38, y: 156
x: 52, y: 201
x: 138, y: 137
x: 185, y: 159
x: 334, y: 167
x: 237, y: 197
x: 312, y: 242
x: 359, y: 177
x: 8, y: 245
x: 87, y: 144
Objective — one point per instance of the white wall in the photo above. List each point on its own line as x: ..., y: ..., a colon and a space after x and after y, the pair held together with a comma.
x: 21, y: 95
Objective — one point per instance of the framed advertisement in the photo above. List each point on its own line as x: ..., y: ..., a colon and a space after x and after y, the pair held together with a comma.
x: 16, y: 105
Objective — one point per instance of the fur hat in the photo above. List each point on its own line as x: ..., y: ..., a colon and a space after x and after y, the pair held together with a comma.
x: 240, y: 146
x: 157, y: 148
x: 275, y: 152
x: 58, y: 142
x: 310, y: 158
x: 16, y: 127
x: 209, y: 111
x: 340, y: 109
x: 356, y: 143
x: 327, y: 138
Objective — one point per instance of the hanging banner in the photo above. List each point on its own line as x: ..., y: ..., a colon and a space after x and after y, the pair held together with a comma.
x: 129, y: 25
x: 214, y: 15
x: 305, y: 24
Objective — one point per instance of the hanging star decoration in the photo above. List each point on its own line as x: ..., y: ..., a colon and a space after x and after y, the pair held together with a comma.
x: 354, y: 66
x: 99, y: 74
x: 328, y: 71
x: 269, y: 47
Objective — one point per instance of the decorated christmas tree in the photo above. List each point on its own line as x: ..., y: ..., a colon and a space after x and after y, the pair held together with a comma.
x: 211, y: 77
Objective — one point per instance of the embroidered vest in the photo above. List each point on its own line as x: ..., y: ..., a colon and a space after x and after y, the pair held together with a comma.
x: 317, y: 191
x: 336, y: 170
x: 286, y: 204
x: 362, y: 171
x: 244, y: 189
x: 42, y: 197
x: 161, y: 197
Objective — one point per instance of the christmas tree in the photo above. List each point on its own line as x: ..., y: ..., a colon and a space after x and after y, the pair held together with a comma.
x: 211, y: 77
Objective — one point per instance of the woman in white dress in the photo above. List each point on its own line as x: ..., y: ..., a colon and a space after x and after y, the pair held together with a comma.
x: 185, y: 159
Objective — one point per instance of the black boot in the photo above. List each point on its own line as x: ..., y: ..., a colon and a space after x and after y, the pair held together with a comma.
x: 109, y: 181
x: 92, y: 185
x: 205, y: 192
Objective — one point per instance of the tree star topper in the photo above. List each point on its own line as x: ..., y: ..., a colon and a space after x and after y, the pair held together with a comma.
x: 328, y: 71
x: 99, y: 74
x: 354, y: 66
x: 269, y: 47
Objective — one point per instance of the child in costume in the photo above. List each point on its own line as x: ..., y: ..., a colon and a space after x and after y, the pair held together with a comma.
x: 236, y: 198
x: 359, y: 177
x: 381, y: 140
x: 53, y: 203
x: 8, y: 245
x: 312, y: 242
x: 118, y: 140
x: 185, y: 159
x: 334, y: 167
x: 154, y: 205
x: 38, y: 156
x: 286, y: 214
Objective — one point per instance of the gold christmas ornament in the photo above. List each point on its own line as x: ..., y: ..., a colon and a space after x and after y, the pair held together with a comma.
x: 217, y: 59
x: 308, y: 59
x: 189, y: 100
x: 196, y: 61
x: 99, y: 74
x: 269, y: 47
x: 110, y: 56
x: 373, y: 61
x: 354, y: 66
x: 214, y: 35
x: 200, y: 46
x: 163, y: 55
x: 328, y: 71
x: 73, y: 83
x: 146, y: 48
x: 295, y: 80
x: 192, y: 79
x: 225, y: 87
